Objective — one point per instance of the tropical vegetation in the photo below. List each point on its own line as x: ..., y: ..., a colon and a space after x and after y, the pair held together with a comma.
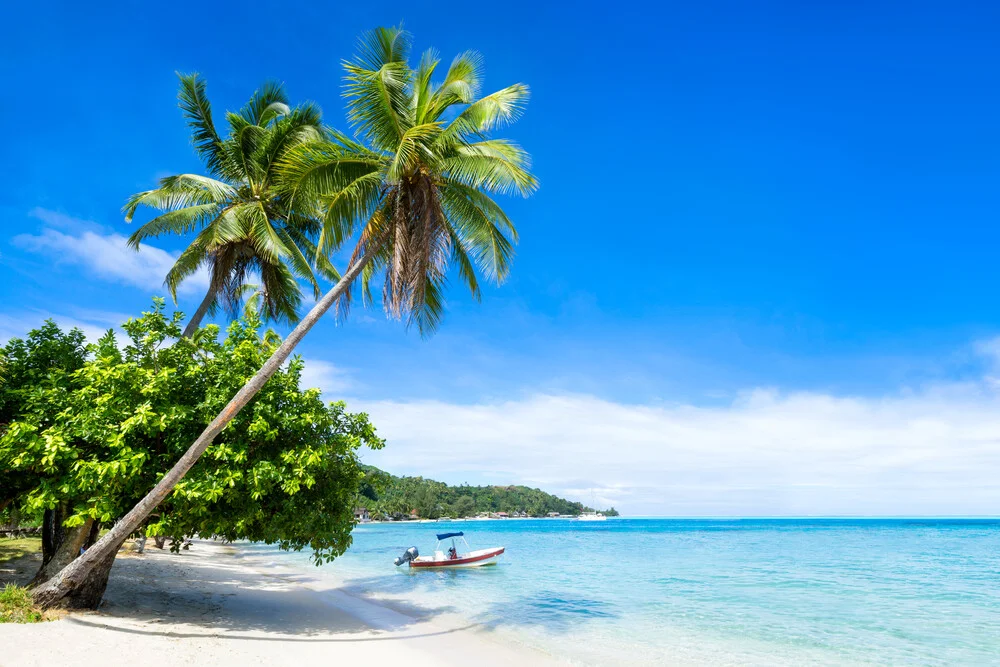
x: 85, y: 449
x: 412, y: 192
x: 387, y: 496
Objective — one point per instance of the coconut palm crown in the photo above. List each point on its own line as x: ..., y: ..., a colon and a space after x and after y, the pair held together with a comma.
x: 417, y: 181
x: 245, y: 230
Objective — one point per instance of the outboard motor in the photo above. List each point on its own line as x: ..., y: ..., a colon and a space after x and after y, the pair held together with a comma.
x: 407, y: 556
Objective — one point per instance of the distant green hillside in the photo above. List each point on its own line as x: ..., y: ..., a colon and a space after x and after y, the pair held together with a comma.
x: 386, y: 495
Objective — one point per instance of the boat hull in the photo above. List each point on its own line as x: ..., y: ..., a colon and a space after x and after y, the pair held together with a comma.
x: 479, y: 558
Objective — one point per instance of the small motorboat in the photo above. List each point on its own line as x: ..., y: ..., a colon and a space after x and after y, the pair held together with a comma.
x: 452, y: 557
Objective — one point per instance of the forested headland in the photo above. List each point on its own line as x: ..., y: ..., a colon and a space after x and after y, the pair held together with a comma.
x: 386, y: 496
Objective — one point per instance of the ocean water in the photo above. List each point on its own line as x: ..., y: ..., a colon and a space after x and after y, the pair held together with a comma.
x: 664, y: 591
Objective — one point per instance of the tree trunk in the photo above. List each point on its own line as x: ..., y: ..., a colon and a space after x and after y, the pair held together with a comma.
x: 140, y: 543
x: 67, y: 587
x: 64, y: 551
x: 160, y: 541
x: 95, y: 532
x: 90, y: 591
x: 199, y: 314
x: 52, y: 531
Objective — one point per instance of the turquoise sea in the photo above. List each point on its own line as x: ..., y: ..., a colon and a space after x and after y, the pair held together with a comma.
x: 753, y: 591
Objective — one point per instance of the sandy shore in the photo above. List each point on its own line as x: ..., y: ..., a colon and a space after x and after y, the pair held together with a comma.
x: 214, y: 605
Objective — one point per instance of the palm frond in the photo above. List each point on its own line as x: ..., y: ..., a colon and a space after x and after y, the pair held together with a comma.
x: 297, y: 260
x: 422, y: 86
x: 495, y: 165
x: 408, y: 150
x: 194, y: 256
x: 256, y: 228
x: 198, y: 113
x: 322, y: 263
x: 381, y: 46
x: 266, y: 103
x: 426, y: 313
x: 377, y: 102
x: 486, y: 114
x: 345, y: 207
x: 460, y: 86
x: 281, y: 296
x: 479, y: 232
x: 245, y: 148
x: 180, y: 221
x: 301, y: 125
x: 177, y: 192
x: 466, y: 269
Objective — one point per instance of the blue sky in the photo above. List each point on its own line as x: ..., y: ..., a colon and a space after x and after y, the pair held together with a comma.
x: 742, y: 206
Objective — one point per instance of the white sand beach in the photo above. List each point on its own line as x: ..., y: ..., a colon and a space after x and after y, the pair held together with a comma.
x: 213, y: 605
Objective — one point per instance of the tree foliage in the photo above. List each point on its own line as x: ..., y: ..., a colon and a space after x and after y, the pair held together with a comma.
x: 399, y: 496
x: 43, y: 362
x: 285, y: 471
x: 46, y: 357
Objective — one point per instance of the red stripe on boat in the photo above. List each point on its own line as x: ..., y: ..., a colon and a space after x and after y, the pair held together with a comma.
x: 457, y: 561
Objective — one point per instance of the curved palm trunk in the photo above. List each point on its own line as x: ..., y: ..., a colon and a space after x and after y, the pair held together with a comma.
x: 199, y: 314
x: 79, y: 584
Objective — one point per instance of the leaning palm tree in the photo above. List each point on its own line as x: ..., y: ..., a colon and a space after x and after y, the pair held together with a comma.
x: 245, y: 229
x: 416, y: 191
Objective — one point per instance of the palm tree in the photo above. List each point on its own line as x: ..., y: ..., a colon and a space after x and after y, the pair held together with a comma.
x: 417, y: 186
x: 244, y: 227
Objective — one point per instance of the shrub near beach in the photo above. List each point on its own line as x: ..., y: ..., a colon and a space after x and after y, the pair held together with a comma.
x: 285, y: 471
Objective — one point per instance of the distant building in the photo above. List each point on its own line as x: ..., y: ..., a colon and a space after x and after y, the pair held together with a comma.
x: 361, y: 515
x: 553, y: 515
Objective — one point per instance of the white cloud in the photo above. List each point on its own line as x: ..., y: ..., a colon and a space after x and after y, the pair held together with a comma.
x: 930, y: 451
x: 108, y: 256
x: 63, y: 221
x: 323, y: 375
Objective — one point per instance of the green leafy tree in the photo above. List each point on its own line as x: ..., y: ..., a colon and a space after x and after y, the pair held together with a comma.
x: 464, y: 506
x: 245, y: 228
x: 417, y: 189
x: 44, y: 360
x: 285, y: 471
x: 46, y: 357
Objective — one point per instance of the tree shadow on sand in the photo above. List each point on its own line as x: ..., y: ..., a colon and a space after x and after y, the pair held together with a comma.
x: 226, y: 602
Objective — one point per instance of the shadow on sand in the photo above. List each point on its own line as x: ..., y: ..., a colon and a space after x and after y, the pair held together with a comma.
x: 228, y: 601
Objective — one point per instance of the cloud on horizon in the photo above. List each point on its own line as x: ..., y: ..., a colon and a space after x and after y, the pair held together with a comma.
x: 931, y: 450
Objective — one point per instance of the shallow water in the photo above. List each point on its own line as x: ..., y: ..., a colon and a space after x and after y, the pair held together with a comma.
x: 893, y: 592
